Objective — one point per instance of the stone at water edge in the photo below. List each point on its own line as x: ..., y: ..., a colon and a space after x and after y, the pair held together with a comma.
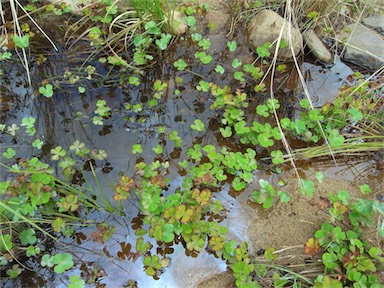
x: 375, y: 22
x: 363, y: 46
x: 316, y: 46
x: 174, y: 23
x: 266, y: 26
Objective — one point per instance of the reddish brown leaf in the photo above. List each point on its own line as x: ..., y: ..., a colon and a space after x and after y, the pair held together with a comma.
x: 312, y: 247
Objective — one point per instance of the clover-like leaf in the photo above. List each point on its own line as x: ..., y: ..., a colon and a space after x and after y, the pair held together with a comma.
x: 180, y: 64
x: 37, y: 143
x: 241, y: 127
x: 232, y: 45
x: 319, y: 176
x: 330, y: 260
x: 47, y: 260
x: 263, y: 51
x: 238, y: 75
x: 262, y: 110
x: 355, y: 113
x: 57, y: 152
x: 10, y: 153
x: 27, y: 236
x: 183, y: 213
x: 190, y: 21
x: 219, y: 69
x: 21, y: 41
x: 136, y: 148
x: 226, y: 132
x: 265, y: 139
x: 58, y: 224
x: 46, y: 90
x: 277, y: 157
x: 238, y: 184
x: 158, y: 149
x: 62, y: 262
x: 203, y: 57
x: 335, y: 139
x: 5, y: 243
x: 312, y: 247
x: 204, y: 43
x: 198, y: 125
x: 168, y: 235
x: 76, y: 282
x: 307, y: 187
x: 236, y: 63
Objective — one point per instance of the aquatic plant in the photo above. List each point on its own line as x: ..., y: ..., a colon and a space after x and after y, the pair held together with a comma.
x: 38, y: 202
x: 346, y: 251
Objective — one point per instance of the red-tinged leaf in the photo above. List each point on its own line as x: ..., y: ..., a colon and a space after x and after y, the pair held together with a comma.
x: 312, y: 247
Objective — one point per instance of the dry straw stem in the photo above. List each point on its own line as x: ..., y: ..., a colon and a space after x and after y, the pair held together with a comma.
x: 290, y: 18
x: 351, y: 147
x: 14, y: 5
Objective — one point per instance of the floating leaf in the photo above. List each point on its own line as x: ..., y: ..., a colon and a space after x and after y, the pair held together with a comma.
x: 81, y: 89
x: 219, y: 69
x: 227, y: 132
x: 180, y: 64
x: 76, y: 282
x: 37, y: 143
x: 168, y: 235
x: 62, y: 262
x: 198, y: 125
x: 183, y: 214
x: 136, y: 148
x: 158, y: 149
x: 10, y: 153
x: 47, y: 90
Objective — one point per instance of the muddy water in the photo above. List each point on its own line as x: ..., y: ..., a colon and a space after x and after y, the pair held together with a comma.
x: 284, y: 225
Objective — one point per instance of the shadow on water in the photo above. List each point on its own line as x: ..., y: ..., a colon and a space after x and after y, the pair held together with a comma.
x: 68, y: 117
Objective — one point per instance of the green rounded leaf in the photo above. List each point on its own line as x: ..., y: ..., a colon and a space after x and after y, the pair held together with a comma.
x: 62, y: 262
x: 198, y: 125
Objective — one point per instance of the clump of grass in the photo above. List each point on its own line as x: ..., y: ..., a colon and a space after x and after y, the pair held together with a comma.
x: 152, y: 9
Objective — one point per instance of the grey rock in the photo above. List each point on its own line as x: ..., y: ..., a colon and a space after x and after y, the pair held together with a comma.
x: 375, y: 22
x: 362, y: 46
x: 266, y: 26
x: 316, y: 46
